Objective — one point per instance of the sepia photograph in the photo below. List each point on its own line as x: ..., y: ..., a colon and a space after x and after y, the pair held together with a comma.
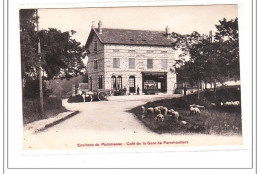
x: 130, y: 77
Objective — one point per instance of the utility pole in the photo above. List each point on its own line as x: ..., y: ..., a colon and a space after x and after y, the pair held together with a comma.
x: 40, y: 67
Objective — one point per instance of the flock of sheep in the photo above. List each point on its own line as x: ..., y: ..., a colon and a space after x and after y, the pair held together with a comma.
x: 160, y: 112
x: 231, y: 103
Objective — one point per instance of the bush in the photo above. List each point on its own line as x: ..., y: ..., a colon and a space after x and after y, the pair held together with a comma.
x: 31, y: 89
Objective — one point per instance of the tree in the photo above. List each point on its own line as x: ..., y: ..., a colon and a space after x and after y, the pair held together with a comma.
x: 61, y: 56
x: 28, y: 42
x: 209, y: 61
x: 227, y: 44
x: 191, y: 46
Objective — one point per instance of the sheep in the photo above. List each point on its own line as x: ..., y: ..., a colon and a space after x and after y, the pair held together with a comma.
x: 213, y: 104
x: 183, y: 122
x: 150, y: 110
x: 236, y: 103
x: 175, y: 115
x: 227, y: 103
x: 159, y: 118
x: 142, y: 110
x: 157, y: 110
x: 169, y: 112
x: 160, y: 107
x: 164, y: 110
x: 197, y: 110
x: 232, y: 103
x: 194, y: 111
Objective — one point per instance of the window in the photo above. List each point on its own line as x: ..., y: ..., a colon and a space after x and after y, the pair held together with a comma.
x: 131, y: 84
x: 115, y: 51
x: 164, y: 52
x: 149, y: 51
x: 149, y: 63
x: 116, y: 63
x: 95, y: 64
x: 119, y: 82
x: 164, y: 64
x: 95, y: 46
x: 131, y: 63
x: 113, y: 82
x: 100, y: 82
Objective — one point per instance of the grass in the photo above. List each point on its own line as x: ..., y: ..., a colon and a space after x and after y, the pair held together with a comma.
x: 212, y: 120
x: 31, y: 109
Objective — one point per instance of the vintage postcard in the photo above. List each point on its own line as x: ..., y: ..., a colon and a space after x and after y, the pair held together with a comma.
x: 130, y: 77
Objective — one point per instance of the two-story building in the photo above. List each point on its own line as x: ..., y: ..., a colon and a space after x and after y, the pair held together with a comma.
x: 131, y: 59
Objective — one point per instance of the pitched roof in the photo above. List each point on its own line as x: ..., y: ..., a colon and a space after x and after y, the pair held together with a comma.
x: 131, y: 37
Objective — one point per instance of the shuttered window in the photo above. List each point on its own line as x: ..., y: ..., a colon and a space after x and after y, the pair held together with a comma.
x: 149, y: 63
x: 131, y: 63
x: 164, y: 64
x: 116, y: 63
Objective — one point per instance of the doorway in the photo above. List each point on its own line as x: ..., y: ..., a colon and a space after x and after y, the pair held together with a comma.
x: 132, y: 84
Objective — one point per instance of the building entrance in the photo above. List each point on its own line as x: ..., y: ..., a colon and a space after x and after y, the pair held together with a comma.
x: 132, y: 84
x: 154, y: 82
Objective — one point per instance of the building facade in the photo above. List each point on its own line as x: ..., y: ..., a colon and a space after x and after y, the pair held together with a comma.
x: 136, y: 60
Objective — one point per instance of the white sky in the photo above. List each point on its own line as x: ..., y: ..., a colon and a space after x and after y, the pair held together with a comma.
x: 180, y: 19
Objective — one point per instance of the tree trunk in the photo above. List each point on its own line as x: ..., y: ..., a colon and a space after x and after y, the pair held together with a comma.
x: 198, y: 89
x: 40, y: 70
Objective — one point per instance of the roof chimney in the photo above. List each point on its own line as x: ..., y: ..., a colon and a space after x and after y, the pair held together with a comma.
x: 168, y: 32
x: 100, y: 27
x: 93, y: 25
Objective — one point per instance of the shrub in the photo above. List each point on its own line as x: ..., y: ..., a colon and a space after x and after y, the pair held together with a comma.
x: 31, y: 89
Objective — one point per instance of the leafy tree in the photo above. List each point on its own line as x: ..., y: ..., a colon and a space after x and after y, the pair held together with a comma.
x: 61, y: 56
x: 28, y: 42
x: 227, y: 44
x: 209, y: 61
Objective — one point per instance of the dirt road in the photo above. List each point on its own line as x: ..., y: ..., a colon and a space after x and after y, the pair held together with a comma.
x: 109, y: 122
